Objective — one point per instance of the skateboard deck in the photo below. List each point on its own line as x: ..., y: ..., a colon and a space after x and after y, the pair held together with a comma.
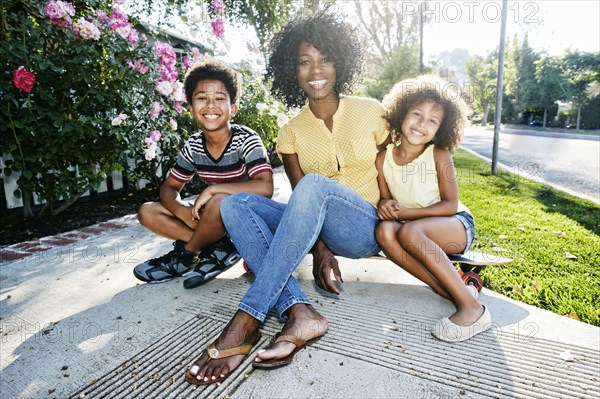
x: 479, y: 259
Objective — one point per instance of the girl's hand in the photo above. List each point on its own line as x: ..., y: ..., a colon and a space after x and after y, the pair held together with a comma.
x: 200, y: 202
x: 387, y: 209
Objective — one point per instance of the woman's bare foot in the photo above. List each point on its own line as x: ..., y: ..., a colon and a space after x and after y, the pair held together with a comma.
x: 304, y: 322
x: 242, y: 329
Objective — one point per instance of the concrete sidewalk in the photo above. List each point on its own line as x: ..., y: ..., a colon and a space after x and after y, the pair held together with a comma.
x: 76, y: 323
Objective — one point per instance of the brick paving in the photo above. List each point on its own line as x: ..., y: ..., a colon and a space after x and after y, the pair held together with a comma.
x: 22, y: 250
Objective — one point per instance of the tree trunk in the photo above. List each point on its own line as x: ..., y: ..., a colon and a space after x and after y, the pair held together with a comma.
x: 66, y: 204
x: 545, y: 117
x: 27, y: 212
x: 484, y: 117
x: 578, y: 118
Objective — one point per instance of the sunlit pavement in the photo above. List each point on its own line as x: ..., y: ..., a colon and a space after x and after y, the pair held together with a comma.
x: 76, y: 323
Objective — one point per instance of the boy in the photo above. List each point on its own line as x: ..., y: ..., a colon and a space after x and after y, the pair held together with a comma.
x: 229, y: 158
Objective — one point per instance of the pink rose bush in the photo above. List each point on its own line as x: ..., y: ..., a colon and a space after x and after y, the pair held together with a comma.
x: 86, y: 91
x: 23, y: 79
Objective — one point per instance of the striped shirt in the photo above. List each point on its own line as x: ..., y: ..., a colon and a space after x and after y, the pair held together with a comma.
x: 244, y: 157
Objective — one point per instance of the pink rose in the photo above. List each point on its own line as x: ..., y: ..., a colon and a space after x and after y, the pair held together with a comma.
x: 54, y: 11
x: 155, y: 110
x: 150, y: 153
x: 23, y: 80
x: 119, y: 119
x: 179, y: 107
x: 218, y: 28
x: 218, y: 6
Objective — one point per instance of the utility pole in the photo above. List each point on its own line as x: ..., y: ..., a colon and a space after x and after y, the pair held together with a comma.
x: 421, y: 37
x: 499, y: 89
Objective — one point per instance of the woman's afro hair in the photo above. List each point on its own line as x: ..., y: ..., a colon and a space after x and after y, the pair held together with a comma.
x: 331, y: 35
x: 412, y: 92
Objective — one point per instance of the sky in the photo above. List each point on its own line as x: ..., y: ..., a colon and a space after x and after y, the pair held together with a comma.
x: 552, y: 25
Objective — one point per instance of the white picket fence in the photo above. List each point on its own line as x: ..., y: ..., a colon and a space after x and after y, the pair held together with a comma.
x: 10, y: 184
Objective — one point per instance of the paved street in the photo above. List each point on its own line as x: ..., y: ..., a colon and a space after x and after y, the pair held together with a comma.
x: 570, y: 164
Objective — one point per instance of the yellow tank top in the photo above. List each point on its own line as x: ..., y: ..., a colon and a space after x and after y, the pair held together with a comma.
x: 414, y: 185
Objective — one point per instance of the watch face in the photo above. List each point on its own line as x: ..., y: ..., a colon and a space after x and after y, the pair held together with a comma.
x: 213, y: 353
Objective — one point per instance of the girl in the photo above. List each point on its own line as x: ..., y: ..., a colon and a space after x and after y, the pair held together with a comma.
x: 422, y: 216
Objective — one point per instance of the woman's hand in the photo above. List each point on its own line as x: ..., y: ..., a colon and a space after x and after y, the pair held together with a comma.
x: 323, y: 263
x: 388, y: 209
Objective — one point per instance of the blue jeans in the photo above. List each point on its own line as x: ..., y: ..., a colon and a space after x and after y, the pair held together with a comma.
x: 273, y: 238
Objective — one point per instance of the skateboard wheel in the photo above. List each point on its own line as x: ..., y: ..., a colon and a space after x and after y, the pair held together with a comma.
x: 246, y: 268
x: 470, y: 278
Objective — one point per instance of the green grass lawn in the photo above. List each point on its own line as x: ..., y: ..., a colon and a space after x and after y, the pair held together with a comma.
x: 552, y: 237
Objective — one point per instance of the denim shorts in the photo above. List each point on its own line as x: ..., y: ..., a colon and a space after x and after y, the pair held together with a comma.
x: 467, y: 220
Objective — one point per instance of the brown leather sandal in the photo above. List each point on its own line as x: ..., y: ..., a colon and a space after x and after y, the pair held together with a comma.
x: 215, y: 353
x: 274, y: 363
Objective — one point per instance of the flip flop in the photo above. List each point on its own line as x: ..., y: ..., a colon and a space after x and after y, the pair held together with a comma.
x: 215, y: 353
x: 274, y: 363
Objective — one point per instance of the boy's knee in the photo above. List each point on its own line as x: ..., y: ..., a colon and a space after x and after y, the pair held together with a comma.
x: 145, y: 213
x: 213, y: 205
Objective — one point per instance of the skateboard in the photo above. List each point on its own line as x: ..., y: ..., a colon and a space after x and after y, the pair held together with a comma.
x: 470, y: 264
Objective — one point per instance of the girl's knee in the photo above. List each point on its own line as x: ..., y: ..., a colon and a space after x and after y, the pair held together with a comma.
x: 385, y: 232
x: 411, y: 236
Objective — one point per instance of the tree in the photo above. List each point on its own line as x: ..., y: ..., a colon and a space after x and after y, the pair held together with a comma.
x: 550, y: 83
x: 521, y: 84
x: 583, y: 77
x: 482, y: 74
x: 387, y: 25
x: 390, y: 30
x: 403, y: 64
x: 265, y: 16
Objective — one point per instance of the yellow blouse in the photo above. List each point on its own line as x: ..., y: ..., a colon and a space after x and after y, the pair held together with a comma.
x: 346, y: 154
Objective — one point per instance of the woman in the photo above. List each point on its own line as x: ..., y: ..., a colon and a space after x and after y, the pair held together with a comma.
x: 329, y: 152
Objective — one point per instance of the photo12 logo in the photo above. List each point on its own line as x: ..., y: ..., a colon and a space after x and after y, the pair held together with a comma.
x: 471, y: 11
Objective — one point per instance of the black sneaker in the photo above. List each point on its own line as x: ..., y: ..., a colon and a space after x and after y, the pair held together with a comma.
x: 173, y: 264
x: 214, y: 260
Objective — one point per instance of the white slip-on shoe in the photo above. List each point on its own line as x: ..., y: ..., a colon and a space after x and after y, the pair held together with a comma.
x: 473, y: 291
x: 446, y: 330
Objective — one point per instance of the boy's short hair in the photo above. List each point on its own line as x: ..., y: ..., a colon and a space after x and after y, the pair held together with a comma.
x: 412, y: 92
x: 213, y: 69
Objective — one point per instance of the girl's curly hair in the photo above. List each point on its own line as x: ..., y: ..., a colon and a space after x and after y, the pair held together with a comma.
x: 328, y: 33
x: 412, y: 92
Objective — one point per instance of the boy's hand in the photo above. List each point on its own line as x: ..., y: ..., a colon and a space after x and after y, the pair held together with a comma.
x: 200, y: 202
x: 388, y: 209
x: 184, y: 213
